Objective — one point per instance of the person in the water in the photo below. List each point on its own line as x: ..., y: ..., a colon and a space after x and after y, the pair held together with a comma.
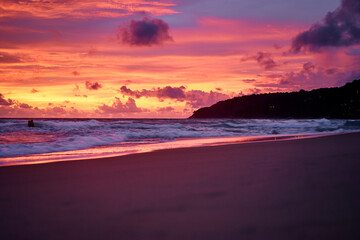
x: 31, y: 123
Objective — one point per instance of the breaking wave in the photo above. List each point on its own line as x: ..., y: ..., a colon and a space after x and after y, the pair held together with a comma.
x: 49, y: 135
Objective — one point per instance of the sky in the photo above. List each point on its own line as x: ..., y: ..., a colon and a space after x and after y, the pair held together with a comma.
x: 167, y: 58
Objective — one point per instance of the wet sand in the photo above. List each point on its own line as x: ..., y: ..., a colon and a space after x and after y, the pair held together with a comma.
x: 294, y: 189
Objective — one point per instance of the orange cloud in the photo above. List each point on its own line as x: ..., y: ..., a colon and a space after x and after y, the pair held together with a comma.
x: 81, y: 8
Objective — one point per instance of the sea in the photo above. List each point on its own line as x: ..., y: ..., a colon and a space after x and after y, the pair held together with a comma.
x: 75, y: 139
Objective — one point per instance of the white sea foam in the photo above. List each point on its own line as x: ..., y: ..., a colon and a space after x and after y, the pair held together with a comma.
x: 65, y: 135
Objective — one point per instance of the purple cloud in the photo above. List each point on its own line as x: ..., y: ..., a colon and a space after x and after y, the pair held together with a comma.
x: 15, y: 108
x: 264, y: 59
x: 161, y: 93
x: 145, y: 32
x: 193, y: 98
x: 165, y: 109
x: 249, y: 80
x: 339, y: 28
x: 5, y: 102
x: 24, y: 105
x: 93, y: 86
x: 118, y: 107
x: 9, y: 58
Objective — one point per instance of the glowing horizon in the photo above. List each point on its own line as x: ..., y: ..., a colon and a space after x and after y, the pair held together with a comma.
x: 138, y: 58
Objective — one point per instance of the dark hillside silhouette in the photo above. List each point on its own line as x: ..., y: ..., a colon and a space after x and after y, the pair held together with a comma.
x: 338, y: 102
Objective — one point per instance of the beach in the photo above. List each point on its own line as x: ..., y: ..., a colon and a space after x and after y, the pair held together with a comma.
x: 288, y: 189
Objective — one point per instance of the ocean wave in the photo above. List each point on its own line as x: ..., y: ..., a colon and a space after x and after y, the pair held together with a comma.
x: 61, y: 144
x: 81, y: 134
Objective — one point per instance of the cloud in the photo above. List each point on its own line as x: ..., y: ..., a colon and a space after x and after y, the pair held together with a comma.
x: 249, y: 80
x: 309, y: 74
x: 9, y: 58
x: 308, y: 77
x: 118, y: 107
x: 198, y: 98
x: 339, y: 28
x: 193, y: 98
x: 79, y: 9
x: 165, y: 109
x: 145, y: 32
x: 75, y: 73
x: 308, y: 67
x: 5, y: 102
x: 253, y: 91
x: 161, y: 93
x: 93, y: 86
x: 15, y: 108
x: 34, y: 90
x: 264, y: 59
x: 76, y: 91
x: 24, y: 105
x: 77, y: 88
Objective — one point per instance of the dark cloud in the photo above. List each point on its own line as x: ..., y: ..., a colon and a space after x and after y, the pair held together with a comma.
x: 5, y: 102
x: 93, y: 86
x: 193, y: 98
x: 145, y: 32
x: 118, y: 107
x: 331, y: 71
x: 254, y: 91
x: 9, y: 58
x: 264, y: 59
x: 308, y: 67
x: 308, y: 77
x: 15, y: 108
x: 34, y: 90
x: 161, y: 93
x: 24, y: 105
x: 198, y: 98
x: 75, y: 73
x: 349, y: 77
x: 249, y: 80
x: 165, y: 109
x: 339, y: 28
x: 308, y: 73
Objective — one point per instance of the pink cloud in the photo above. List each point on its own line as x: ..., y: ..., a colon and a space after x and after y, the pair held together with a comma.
x: 193, y: 98
x: 82, y: 8
x: 5, y: 102
x: 264, y: 59
x: 15, y: 108
x: 117, y: 107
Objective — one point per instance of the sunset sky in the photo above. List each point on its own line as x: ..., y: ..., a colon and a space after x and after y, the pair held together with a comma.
x: 167, y: 58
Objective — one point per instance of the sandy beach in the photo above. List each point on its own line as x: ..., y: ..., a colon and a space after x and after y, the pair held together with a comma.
x: 294, y: 189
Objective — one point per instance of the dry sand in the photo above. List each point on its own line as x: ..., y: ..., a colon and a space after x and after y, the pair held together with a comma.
x: 295, y: 189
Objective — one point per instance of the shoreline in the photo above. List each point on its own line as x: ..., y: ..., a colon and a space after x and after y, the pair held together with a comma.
x: 117, y: 151
x: 301, y: 189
